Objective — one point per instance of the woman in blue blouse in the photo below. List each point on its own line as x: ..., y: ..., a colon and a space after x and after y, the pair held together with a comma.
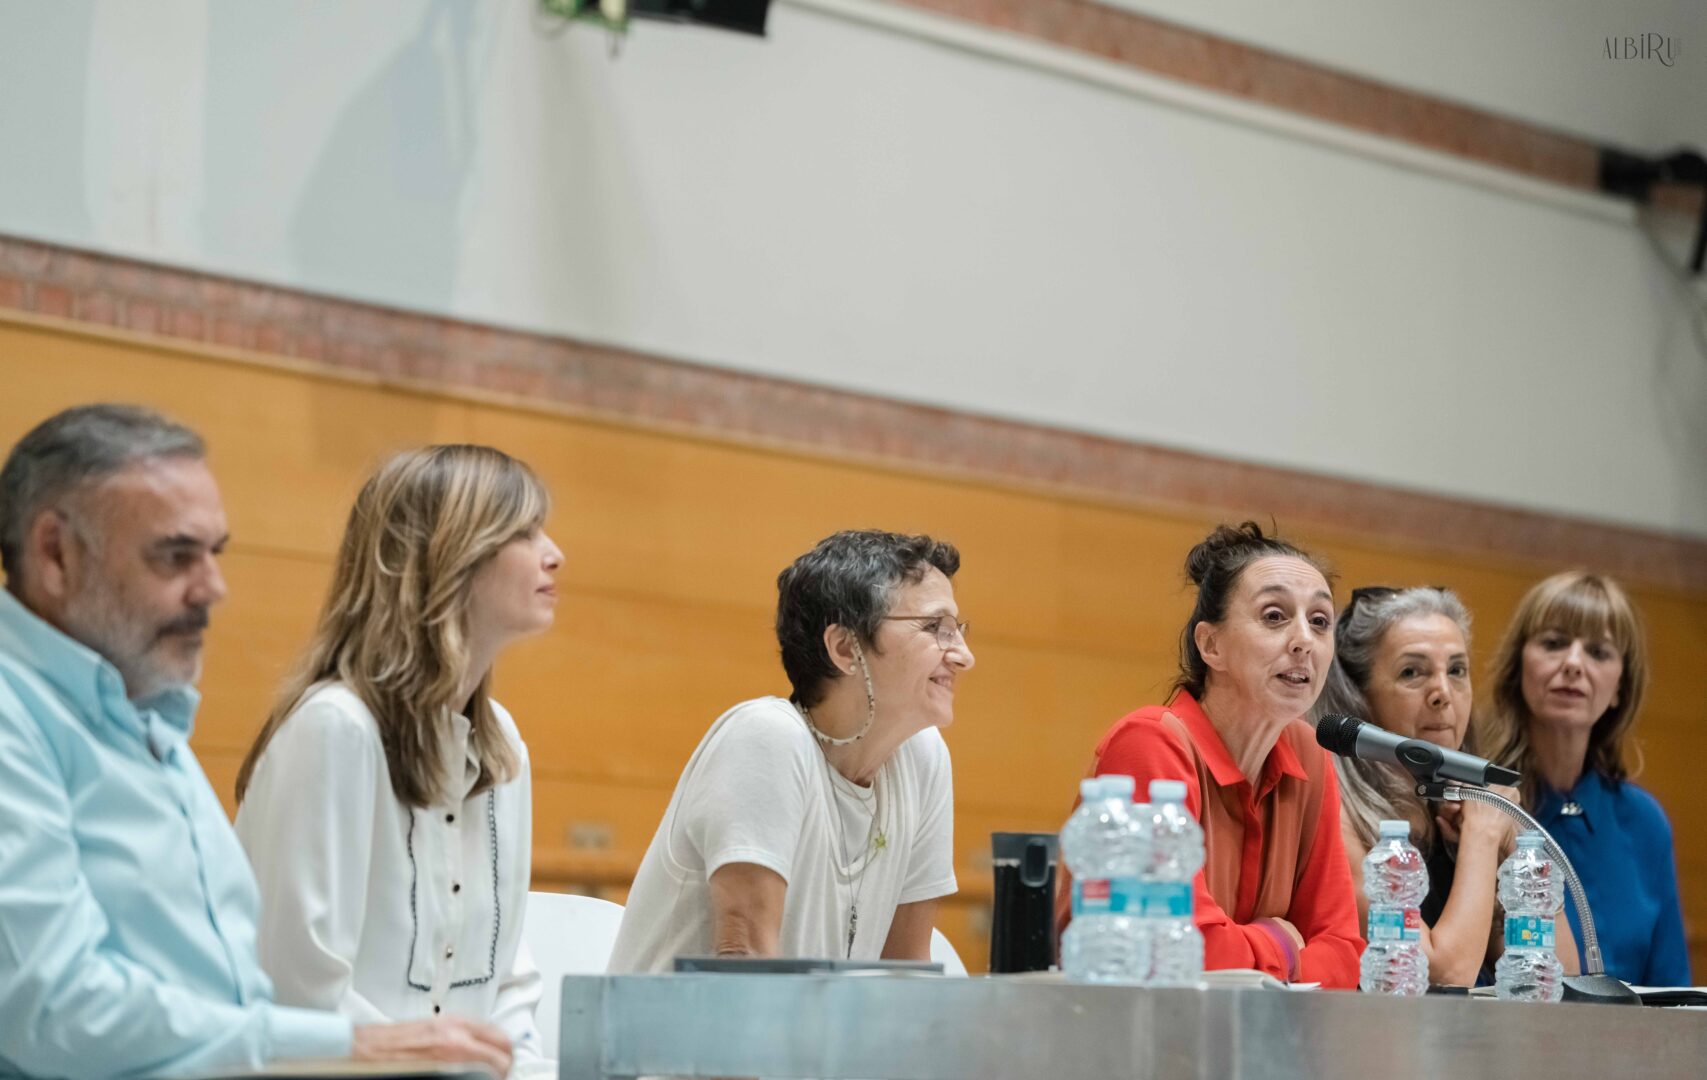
x: 1568, y: 683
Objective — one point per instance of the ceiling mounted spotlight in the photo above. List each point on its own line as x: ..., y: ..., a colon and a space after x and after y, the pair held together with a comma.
x: 741, y: 16
x: 1635, y: 177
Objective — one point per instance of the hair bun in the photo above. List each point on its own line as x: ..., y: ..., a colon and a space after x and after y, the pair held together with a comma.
x: 1226, y: 539
x: 1214, y: 567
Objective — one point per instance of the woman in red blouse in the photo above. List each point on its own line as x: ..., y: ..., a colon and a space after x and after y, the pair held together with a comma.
x: 1275, y: 891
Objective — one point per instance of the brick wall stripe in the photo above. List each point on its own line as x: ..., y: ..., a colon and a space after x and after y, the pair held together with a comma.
x: 534, y: 371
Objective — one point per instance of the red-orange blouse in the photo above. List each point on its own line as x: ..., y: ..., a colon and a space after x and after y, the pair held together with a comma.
x: 1272, y: 849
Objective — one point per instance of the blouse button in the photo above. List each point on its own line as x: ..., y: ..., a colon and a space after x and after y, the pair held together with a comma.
x: 457, y: 887
x: 435, y: 1010
x: 449, y: 952
x: 450, y: 819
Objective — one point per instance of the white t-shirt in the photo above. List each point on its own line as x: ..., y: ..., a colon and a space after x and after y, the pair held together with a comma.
x: 380, y: 911
x: 759, y: 790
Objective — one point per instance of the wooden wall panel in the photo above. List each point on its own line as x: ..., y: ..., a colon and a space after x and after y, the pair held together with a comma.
x: 301, y: 445
x: 268, y: 614
x: 673, y: 545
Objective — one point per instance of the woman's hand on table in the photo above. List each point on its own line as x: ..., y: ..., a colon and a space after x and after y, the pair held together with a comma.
x: 453, y: 1039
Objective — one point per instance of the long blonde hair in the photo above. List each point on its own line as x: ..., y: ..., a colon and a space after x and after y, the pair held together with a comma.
x: 1578, y: 604
x: 395, y: 622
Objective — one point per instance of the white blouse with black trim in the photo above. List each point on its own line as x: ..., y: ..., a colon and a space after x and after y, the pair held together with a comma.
x: 379, y: 910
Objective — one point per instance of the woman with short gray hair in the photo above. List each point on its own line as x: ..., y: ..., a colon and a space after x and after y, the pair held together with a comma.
x: 1402, y: 662
x: 820, y: 825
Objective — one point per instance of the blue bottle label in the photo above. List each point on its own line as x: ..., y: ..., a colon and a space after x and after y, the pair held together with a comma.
x: 1528, y: 932
x: 1395, y: 924
x: 1167, y: 899
x: 1107, y: 896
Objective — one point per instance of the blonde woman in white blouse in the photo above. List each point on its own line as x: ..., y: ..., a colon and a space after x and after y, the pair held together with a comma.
x: 386, y: 804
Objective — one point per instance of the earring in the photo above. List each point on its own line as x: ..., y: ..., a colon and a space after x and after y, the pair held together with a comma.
x: 870, y: 707
x: 870, y: 694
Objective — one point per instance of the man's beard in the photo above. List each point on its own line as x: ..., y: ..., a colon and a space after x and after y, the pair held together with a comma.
x: 99, y: 618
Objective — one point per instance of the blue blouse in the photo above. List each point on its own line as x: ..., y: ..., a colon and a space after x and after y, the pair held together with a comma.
x: 1620, y: 844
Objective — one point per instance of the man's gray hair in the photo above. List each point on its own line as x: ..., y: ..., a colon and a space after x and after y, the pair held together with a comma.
x: 73, y: 449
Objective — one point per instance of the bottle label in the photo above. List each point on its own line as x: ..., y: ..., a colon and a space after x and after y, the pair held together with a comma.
x: 1528, y: 932
x: 1107, y: 896
x: 1167, y: 899
x: 1395, y: 924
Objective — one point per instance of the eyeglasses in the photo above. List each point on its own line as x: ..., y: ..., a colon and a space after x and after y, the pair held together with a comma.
x: 945, y: 629
x: 1371, y: 592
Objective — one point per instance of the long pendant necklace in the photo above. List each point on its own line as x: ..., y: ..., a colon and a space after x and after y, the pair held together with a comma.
x: 876, y: 840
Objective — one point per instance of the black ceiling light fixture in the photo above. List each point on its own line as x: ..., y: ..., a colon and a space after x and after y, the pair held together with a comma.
x: 741, y: 16
x: 1635, y: 177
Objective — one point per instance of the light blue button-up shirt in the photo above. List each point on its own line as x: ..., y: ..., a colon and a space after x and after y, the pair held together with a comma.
x: 127, y: 907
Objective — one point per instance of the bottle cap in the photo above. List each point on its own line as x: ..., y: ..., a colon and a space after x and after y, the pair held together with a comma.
x: 1401, y: 829
x: 1167, y: 791
x: 1530, y: 839
x: 1117, y: 785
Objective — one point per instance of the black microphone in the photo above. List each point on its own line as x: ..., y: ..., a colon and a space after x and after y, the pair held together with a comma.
x: 1351, y: 737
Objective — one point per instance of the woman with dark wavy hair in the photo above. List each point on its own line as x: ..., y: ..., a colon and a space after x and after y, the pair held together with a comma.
x: 1274, y: 893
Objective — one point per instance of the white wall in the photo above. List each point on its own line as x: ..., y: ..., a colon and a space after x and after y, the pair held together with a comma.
x: 1544, y: 62
x: 847, y: 205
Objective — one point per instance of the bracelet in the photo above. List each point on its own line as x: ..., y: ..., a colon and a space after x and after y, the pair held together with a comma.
x: 1284, y: 941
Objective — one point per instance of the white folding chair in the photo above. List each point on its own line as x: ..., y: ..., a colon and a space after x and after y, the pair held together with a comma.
x: 942, y: 952
x: 567, y: 935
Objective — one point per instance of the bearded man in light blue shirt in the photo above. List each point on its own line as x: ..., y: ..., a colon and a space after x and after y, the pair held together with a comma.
x: 127, y: 906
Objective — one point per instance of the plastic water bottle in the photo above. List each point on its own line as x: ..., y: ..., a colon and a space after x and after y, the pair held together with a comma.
x: 1395, y: 880
x: 1531, y: 891
x: 1104, y: 848
x: 1176, y: 854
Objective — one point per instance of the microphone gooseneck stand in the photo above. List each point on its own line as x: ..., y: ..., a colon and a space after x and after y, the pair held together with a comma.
x: 1594, y: 985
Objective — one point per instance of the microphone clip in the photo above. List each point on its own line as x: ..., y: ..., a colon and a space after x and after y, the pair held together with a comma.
x: 1423, y: 760
x: 1438, y: 790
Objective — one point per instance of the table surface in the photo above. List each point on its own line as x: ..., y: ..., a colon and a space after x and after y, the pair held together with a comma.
x: 890, y: 1027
